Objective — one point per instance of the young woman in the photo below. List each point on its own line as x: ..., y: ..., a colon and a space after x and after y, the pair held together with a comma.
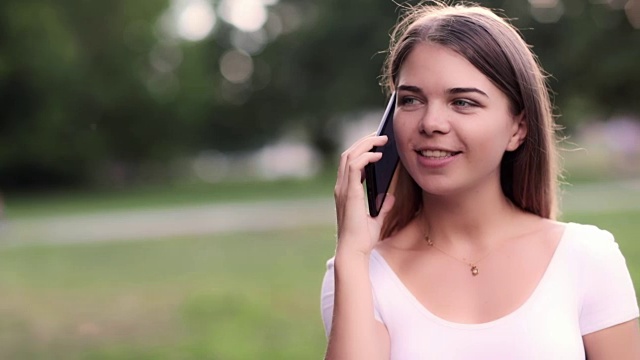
x: 472, y: 264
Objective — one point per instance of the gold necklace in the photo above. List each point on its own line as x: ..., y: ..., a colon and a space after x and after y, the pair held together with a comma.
x: 472, y: 265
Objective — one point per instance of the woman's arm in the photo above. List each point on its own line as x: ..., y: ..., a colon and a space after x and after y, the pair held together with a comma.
x: 620, y: 342
x: 355, y: 333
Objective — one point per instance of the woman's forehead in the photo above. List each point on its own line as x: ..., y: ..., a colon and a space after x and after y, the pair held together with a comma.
x: 437, y: 67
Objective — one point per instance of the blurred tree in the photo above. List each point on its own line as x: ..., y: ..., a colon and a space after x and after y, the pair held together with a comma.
x: 72, y: 90
x: 332, y: 65
x: 87, y: 86
x: 592, y: 54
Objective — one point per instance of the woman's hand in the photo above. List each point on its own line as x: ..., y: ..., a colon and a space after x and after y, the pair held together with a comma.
x: 357, y: 231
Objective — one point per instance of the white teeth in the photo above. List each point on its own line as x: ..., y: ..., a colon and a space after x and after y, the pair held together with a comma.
x: 436, y: 154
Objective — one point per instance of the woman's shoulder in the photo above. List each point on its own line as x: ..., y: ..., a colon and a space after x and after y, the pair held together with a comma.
x: 591, y: 244
x: 607, y: 292
x: 588, y: 236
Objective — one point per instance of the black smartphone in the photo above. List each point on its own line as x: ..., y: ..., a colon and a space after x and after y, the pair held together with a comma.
x: 378, y: 175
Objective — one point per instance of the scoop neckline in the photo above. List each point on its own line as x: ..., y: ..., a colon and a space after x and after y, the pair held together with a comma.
x: 477, y: 326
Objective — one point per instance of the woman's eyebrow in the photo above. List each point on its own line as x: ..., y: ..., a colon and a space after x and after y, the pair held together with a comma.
x: 410, y: 88
x: 454, y: 91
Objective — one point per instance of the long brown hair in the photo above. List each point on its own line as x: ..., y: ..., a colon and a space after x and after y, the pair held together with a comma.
x: 528, y: 175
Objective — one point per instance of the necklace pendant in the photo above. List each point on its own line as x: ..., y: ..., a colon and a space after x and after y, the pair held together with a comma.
x: 474, y: 270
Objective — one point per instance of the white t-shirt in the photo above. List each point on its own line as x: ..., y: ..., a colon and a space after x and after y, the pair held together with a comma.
x: 586, y: 288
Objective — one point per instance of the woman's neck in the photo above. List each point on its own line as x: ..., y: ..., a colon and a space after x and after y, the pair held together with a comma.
x: 477, y: 218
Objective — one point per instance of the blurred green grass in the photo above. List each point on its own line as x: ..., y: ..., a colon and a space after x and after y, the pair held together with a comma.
x: 239, y: 296
x: 34, y: 204
x: 235, y: 296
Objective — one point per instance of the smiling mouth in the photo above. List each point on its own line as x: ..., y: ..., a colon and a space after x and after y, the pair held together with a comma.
x: 437, y: 154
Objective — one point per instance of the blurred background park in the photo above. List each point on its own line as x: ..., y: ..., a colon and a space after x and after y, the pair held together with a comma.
x: 166, y: 166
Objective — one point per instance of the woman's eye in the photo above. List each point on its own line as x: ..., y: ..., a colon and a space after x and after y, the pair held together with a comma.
x: 463, y: 103
x: 408, y: 101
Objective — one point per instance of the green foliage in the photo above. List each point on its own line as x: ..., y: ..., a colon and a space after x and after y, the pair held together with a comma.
x: 79, y: 93
x: 332, y: 65
x: 67, y: 73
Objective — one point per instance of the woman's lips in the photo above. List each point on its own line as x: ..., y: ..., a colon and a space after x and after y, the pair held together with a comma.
x: 436, y: 158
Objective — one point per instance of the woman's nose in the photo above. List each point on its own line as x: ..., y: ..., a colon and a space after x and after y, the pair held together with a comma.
x: 434, y: 120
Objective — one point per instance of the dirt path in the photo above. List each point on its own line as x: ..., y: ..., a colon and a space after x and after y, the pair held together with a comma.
x: 255, y: 216
x: 179, y: 221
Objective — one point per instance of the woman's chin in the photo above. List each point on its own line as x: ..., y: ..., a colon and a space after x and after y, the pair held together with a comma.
x: 434, y: 188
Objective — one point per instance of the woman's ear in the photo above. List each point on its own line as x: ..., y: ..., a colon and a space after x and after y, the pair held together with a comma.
x: 519, y: 132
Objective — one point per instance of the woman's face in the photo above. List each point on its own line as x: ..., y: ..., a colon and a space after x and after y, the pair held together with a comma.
x: 452, y: 124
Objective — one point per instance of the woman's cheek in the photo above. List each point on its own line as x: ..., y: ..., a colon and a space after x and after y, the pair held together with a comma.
x: 401, y: 145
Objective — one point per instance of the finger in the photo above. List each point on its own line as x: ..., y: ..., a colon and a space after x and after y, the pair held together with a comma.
x: 360, y: 141
x: 362, y: 147
x: 350, y: 188
x: 368, y: 143
x: 357, y: 166
x: 344, y: 159
x: 342, y: 179
x: 351, y: 185
x: 355, y: 148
